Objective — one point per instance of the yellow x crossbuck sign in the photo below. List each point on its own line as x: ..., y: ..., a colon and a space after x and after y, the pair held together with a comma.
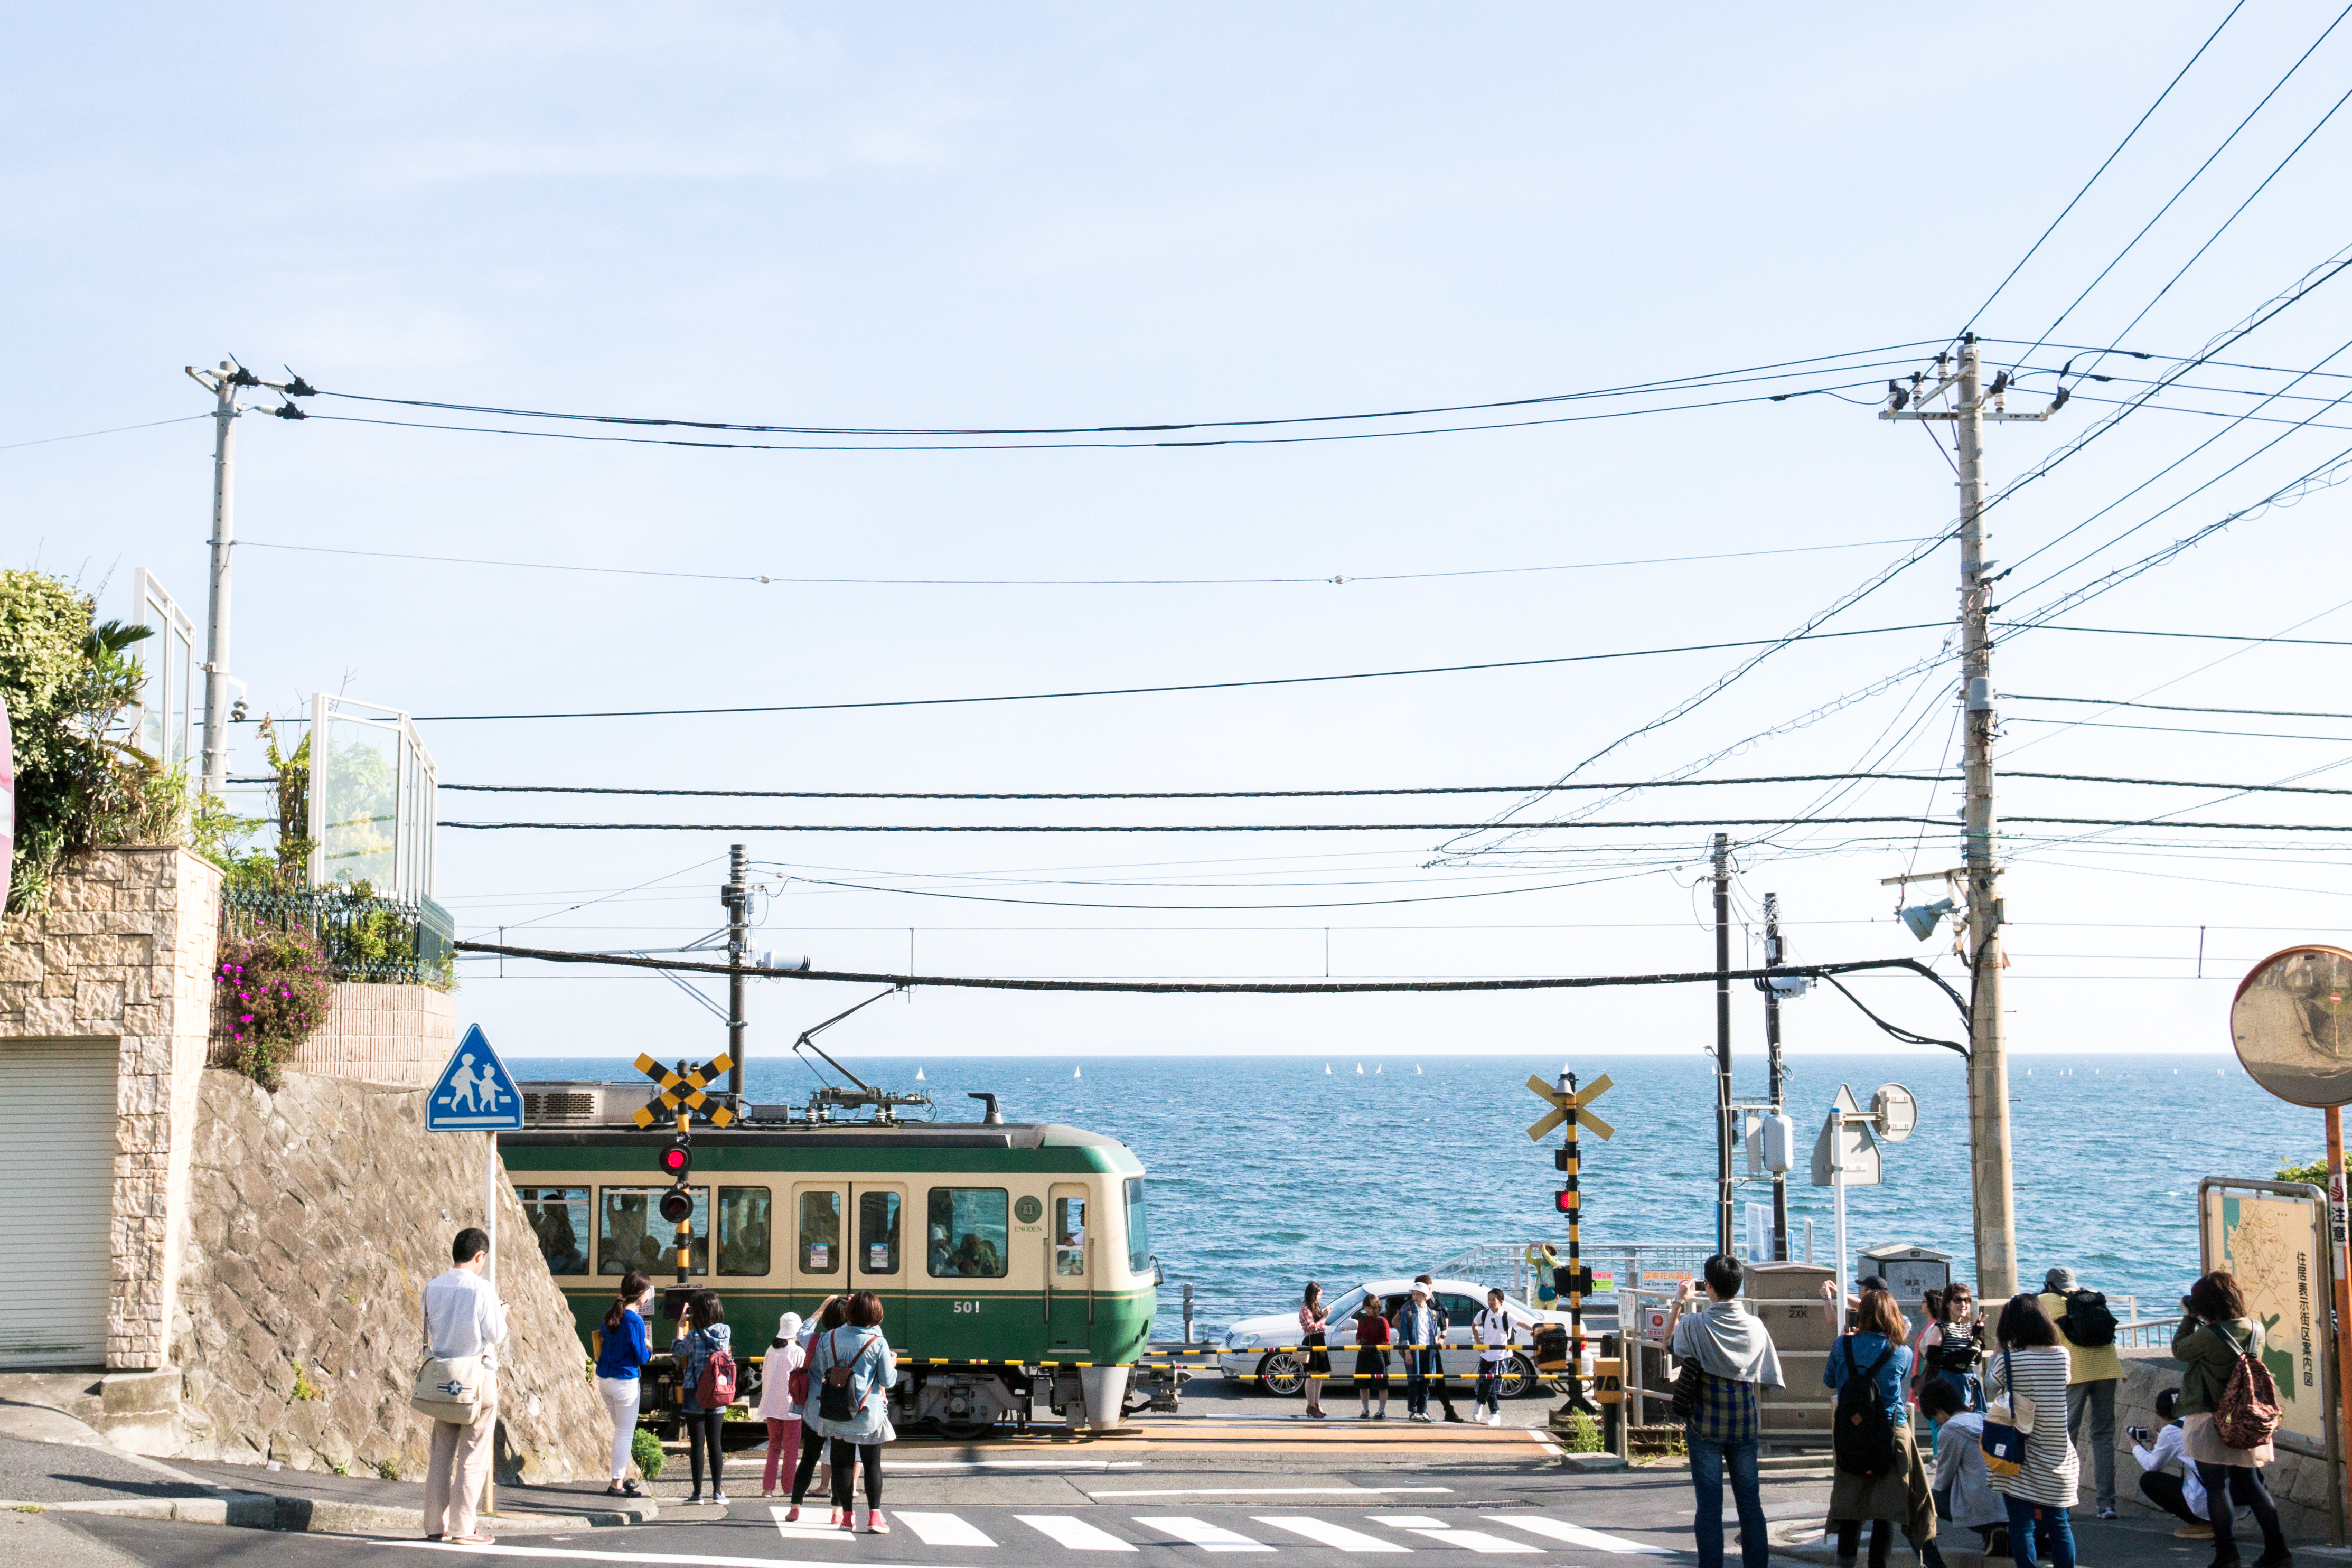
x: 693, y: 1084
x: 1561, y: 1104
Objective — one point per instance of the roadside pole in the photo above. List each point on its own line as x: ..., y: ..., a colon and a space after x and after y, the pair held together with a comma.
x: 490, y: 1274
x: 1990, y: 1180
x: 222, y: 384
x: 1723, y: 1182
x: 2339, y: 1257
x: 735, y: 895
x: 1773, y: 954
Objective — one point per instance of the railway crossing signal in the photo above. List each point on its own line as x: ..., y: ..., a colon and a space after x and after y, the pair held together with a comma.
x: 694, y: 1084
x: 677, y: 1159
x: 1573, y: 1281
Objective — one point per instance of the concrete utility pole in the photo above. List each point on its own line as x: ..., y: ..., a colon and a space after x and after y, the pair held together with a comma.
x: 223, y: 384
x: 736, y: 895
x: 1988, y: 1136
x: 1723, y: 1182
x: 1773, y: 955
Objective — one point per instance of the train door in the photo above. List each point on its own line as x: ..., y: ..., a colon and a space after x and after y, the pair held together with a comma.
x: 1069, y: 1268
x: 878, y: 1257
x: 819, y: 1267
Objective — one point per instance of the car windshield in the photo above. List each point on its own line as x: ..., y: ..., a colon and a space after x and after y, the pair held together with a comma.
x: 1345, y: 1307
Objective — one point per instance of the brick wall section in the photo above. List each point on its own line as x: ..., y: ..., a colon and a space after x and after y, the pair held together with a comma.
x: 397, y: 1035
x: 124, y: 950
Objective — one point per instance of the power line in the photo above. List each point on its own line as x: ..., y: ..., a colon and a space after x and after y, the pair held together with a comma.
x: 1335, y: 578
x: 111, y: 429
x: 2171, y: 707
x: 2102, y: 169
x: 2173, y: 729
x: 2194, y: 636
x: 1159, y: 827
x: 1726, y: 377
x: 1132, y: 794
x: 1189, y: 686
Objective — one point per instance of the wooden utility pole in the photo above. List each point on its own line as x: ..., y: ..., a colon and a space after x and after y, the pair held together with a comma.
x: 1723, y: 1181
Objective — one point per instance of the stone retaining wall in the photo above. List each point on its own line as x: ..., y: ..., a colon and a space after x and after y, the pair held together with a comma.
x: 124, y: 950
x: 319, y: 1212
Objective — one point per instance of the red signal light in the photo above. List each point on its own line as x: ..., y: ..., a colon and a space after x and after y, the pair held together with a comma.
x: 1566, y: 1200
x: 676, y: 1161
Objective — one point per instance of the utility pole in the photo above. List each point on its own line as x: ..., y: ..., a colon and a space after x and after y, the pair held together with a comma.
x: 736, y: 895
x: 1989, y: 1132
x: 1773, y: 956
x: 223, y: 384
x: 1722, y: 1183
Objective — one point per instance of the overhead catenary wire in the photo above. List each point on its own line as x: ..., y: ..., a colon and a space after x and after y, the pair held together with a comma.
x: 2174, y: 707
x: 1122, y: 794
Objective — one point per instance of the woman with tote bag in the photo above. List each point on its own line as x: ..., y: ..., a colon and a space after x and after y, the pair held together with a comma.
x: 2027, y: 1382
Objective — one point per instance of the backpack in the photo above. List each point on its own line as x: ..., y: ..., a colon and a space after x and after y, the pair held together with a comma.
x: 1863, y: 1439
x: 2088, y: 1324
x: 796, y: 1385
x: 2249, y: 1411
x: 833, y: 1400
x: 714, y: 1389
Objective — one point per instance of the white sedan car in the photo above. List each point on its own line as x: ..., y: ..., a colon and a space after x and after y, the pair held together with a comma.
x: 1265, y: 1346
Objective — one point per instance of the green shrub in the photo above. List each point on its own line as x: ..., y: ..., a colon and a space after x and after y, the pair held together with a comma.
x: 646, y: 1449
x: 2316, y: 1173
x: 273, y: 996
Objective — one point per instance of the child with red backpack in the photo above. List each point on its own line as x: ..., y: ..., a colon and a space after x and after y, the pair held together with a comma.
x: 784, y: 1365
x: 708, y: 1386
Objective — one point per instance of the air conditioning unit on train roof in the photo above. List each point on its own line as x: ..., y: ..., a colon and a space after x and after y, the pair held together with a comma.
x: 563, y: 1103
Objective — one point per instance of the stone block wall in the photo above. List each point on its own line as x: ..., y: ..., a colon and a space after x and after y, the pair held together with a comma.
x: 2299, y: 1483
x: 124, y: 950
x: 319, y: 1212
x: 399, y: 1035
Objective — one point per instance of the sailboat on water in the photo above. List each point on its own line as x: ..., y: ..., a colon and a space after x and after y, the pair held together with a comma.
x: 1416, y: 1070
x: 918, y: 1075
x: 1077, y: 1073
x: 1376, y: 1071
x: 1326, y: 1069
x: 1359, y: 1069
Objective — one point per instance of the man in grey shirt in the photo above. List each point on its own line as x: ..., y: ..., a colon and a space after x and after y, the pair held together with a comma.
x: 1734, y: 1355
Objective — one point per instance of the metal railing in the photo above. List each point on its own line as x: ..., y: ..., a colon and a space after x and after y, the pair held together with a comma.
x: 367, y: 936
x: 1505, y: 1264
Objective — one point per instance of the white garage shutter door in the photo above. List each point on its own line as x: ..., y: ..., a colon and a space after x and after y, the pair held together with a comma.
x: 57, y: 1199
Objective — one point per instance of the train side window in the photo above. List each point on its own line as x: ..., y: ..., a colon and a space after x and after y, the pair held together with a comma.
x: 1139, y: 1233
x: 1069, y: 1237
x: 877, y: 1232
x: 743, y: 1225
x: 820, y: 1232
x: 631, y: 1234
x: 970, y: 1231
x: 558, y: 1217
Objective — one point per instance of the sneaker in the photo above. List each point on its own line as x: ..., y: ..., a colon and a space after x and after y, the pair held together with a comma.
x: 2109, y: 1513
x: 792, y: 1514
x: 1495, y: 1419
x: 875, y: 1523
x: 838, y: 1518
x: 694, y: 1497
x: 719, y: 1498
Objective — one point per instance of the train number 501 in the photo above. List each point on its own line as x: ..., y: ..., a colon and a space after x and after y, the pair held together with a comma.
x: 964, y: 1306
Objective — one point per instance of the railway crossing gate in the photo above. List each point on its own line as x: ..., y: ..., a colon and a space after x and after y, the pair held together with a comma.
x: 1571, y: 1106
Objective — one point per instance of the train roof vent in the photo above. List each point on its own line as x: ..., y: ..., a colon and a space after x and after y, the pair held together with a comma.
x: 563, y: 1104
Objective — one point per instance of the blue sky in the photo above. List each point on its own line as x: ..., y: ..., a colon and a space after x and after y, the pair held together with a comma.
x: 1058, y: 216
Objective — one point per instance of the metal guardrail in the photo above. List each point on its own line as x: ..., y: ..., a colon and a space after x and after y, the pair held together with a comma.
x: 1505, y: 1264
x: 367, y: 936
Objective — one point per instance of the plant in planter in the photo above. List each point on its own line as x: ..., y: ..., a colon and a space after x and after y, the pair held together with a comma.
x: 273, y: 993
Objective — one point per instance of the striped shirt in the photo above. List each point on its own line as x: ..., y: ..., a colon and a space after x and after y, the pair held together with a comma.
x: 2051, y: 1468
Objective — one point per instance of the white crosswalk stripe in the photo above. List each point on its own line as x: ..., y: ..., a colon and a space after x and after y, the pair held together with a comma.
x: 1074, y: 1533
x: 1199, y: 1532
x: 1329, y: 1534
x: 810, y: 1526
x: 1574, y: 1535
x: 941, y: 1528
x: 1441, y: 1532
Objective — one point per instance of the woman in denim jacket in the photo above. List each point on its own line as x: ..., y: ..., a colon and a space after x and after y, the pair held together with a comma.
x: 708, y: 1335
x: 857, y: 1347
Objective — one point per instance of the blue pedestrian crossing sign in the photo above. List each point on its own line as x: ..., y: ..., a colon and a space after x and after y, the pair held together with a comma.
x: 474, y: 1093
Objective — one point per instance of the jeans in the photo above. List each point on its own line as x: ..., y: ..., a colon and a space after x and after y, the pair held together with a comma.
x: 2025, y: 1518
x: 1419, y: 1366
x: 1489, y: 1390
x: 2094, y: 1403
x: 847, y: 1454
x: 620, y: 1397
x: 1707, y: 1465
x: 2226, y: 1484
x: 702, y: 1434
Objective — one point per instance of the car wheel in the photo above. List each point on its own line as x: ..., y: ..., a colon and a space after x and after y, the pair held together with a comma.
x: 1518, y: 1379
x: 1282, y: 1374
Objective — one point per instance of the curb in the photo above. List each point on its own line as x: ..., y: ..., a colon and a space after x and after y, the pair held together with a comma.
x: 302, y: 1515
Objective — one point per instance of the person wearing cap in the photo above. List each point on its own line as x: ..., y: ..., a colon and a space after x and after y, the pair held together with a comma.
x: 2093, y: 1372
x: 1418, y: 1332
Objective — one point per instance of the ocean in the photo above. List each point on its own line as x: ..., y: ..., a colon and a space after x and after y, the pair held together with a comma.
x: 1264, y: 1173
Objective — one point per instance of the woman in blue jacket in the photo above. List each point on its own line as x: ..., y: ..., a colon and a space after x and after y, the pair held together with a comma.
x: 858, y: 1349
x: 709, y: 1335
x: 1897, y: 1496
x: 621, y: 1352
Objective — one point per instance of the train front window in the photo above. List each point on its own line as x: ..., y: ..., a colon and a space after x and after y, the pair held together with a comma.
x: 631, y: 1234
x: 1138, y: 1235
x: 820, y: 1233
x: 1070, y: 1237
x: 743, y: 1216
x: 970, y: 1232
x: 877, y: 1232
x: 558, y: 1217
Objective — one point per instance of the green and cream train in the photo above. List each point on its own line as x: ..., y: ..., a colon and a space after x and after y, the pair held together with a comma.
x: 1013, y: 1260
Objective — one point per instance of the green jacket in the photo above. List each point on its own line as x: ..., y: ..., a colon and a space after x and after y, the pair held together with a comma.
x: 2210, y: 1352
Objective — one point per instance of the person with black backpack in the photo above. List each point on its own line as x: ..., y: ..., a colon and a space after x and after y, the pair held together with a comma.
x: 2229, y: 1409
x: 2093, y: 1372
x: 1881, y: 1478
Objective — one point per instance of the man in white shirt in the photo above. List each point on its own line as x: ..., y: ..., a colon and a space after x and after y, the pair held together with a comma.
x: 463, y: 1317
x: 2181, y: 1496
